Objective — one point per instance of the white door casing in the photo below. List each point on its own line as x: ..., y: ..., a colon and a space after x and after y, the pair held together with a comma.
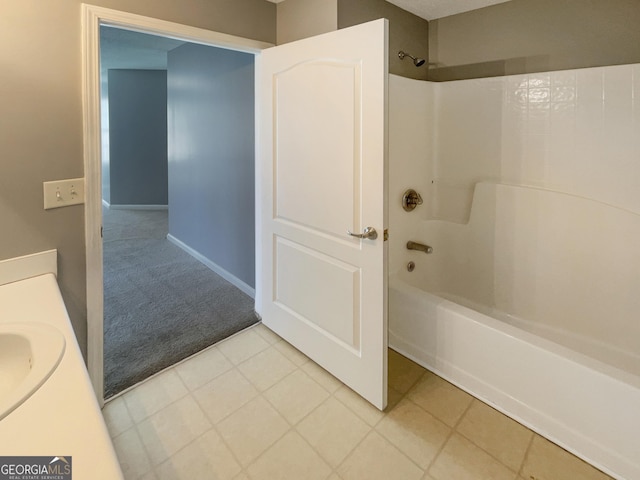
x: 322, y: 170
x: 92, y: 18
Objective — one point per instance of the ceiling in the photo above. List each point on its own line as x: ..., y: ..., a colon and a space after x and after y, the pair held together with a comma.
x: 432, y: 9
x: 126, y: 49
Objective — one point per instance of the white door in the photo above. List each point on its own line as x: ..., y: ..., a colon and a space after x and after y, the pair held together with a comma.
x: 321, y: 171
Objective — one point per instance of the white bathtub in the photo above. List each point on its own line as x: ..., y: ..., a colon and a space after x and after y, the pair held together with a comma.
x: 589, y: 408
x: 534, y: 244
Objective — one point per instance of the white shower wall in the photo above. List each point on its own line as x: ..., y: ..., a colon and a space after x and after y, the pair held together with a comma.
x: 531, y: 188
x: 574, y: 131
x: 411, y: 139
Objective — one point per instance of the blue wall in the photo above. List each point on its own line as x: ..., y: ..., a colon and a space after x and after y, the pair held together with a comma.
x: 138, y: 137
x: 211, y: 155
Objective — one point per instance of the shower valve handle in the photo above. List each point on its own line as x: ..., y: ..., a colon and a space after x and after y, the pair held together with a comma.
x: 368, y: 232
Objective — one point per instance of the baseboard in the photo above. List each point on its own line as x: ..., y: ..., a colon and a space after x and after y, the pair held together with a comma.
x: 213, y: 266
x: 138, y: 207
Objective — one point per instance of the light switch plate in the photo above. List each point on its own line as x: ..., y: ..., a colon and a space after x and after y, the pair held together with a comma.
x: 62, y: 193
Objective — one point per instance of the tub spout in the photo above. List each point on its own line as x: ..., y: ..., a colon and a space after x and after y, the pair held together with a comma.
x: 419, y: 247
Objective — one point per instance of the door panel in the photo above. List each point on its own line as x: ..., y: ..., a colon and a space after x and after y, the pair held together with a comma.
x: 322, y: 163
x: 335, y: 286
x: 317, y: 151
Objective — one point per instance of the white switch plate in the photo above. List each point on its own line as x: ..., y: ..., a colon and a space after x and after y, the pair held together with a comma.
x: 62, y: 193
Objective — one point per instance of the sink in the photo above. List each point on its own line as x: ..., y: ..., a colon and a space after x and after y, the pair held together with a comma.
x: 29, y: 353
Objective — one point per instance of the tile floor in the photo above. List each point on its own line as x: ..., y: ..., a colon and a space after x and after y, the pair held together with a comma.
x: 253, y: 407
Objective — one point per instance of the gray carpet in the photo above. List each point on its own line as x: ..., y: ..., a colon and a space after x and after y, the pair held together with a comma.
x: 161, y: 304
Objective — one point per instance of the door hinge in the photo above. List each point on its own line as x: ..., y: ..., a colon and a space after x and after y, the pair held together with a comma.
x: 386, y: 234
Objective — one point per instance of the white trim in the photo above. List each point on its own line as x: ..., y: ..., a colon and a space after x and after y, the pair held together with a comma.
x: 138, y: 207
x: 93, y: 196
x: 105, y: 204
x: 177, y: 31
x: 28, y: 266
x: 92, y: 18
x: 229, y: 277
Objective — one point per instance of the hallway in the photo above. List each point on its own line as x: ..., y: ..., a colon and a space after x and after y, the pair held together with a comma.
x: 161, y: 304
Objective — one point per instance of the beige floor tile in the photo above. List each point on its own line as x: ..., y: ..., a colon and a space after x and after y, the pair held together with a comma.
x: 403, y: 373
x: 547, y: 461
x: 224, y: 395
x: 320, y: 375
x: 393, y: 398
x: 376, y: 459
x: 333, y: 430
x: 292, y: 353
x: 242, y: 346
x: 116, y: 416
x: 440, y: 398
x: 132, y: 456
x: 290, y: 458
x: 266, y: 333
x: 359, y: 405
x: 205, y: 457
x: 203, y: 367
x: 496, y: 433
x: 172, y: 428
x: 334, y: 476
x: 266, y: 368
x: 415, y: 432
x: 462, y: 460
x: 241, y: 476
x: 153, y: 395
x: 150, y: 475
x: 252, y: 429
x: 295, y: 396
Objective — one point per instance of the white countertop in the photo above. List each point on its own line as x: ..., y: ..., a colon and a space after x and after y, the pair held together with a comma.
x: 62, y: 418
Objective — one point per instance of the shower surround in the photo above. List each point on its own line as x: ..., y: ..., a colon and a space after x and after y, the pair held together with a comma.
x: 531, y: 187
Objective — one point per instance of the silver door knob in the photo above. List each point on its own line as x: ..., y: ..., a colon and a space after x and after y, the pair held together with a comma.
x: 368, y: 232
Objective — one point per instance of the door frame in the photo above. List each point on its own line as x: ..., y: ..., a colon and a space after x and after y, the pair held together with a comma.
x: 93, y: 18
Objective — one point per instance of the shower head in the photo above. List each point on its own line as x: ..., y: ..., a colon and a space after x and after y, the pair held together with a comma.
x: 418, y: 62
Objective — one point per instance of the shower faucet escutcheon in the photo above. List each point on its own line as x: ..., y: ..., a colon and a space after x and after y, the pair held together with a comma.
x: 410, y: 200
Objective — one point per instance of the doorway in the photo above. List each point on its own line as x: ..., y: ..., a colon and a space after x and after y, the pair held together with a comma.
x: 94, y: 18
x: 355, y: 61
x: 162, y: 301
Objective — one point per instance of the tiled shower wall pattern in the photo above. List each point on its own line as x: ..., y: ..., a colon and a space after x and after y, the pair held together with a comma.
x: 558, y: 258
x: 574, y: 131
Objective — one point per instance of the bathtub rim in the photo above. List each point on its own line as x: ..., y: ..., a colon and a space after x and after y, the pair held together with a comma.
x: 605, y: 453
x: 522, y: 335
